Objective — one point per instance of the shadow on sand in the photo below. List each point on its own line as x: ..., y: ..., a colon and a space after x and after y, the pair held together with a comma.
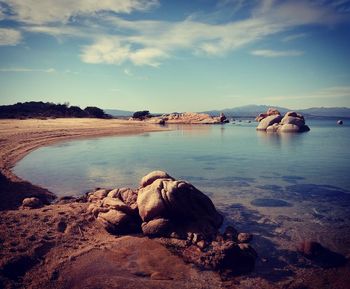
x: 13, y: 192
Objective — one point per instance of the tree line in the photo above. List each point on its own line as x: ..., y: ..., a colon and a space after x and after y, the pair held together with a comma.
x: 39, y: 109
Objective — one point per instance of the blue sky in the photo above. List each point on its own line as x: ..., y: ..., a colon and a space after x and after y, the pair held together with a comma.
x: 176, y: 55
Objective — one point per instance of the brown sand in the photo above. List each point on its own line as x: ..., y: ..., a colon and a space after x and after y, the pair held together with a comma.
x: 19, y: 137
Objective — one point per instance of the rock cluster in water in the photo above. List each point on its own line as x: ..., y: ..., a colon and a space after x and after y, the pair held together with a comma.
x: 177, y: 213
x: 272, y: 121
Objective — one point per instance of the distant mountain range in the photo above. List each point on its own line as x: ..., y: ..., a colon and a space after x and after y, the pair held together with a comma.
x: 254, y: 110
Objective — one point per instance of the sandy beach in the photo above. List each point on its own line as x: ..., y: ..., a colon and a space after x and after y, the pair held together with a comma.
x: 20, y: 137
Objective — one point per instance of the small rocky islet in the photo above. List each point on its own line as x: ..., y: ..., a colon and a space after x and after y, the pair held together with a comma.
x: 273, y: 121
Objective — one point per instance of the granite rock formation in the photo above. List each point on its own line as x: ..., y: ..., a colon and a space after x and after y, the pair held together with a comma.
x: 189, y: 118
x: 178, y: 215
x: 272, y: 121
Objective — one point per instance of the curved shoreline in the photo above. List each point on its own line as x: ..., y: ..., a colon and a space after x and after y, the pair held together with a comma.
x: 19, y: 137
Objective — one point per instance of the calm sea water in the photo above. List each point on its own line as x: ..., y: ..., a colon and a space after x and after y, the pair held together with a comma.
x: 220, y: 157
x: 283, y: 188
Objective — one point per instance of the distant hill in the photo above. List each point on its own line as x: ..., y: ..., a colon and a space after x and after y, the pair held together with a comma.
x: 245, y: 111
x: 117, y: 112
x: 39, y: 109
x: 254, y: 110
x: 327, y: 111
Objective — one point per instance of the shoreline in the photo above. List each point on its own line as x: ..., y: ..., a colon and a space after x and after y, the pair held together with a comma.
x: 20, y: 137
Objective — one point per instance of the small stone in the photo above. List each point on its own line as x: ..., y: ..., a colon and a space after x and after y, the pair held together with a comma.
x: 97, y: 195
x: 195, y: 238
x: 201, y: 244
x: 244, y: 237
x: 159, y: 276
x: 32, y: 203
x: 219, y: 238
x: 156, y: 227
x: 230, y: 233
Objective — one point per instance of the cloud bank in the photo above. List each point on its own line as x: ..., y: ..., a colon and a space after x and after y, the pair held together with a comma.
x: 115, y: 39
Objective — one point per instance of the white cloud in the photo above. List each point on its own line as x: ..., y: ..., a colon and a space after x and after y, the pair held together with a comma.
x: 25, y: 69
x: 294, y: 37
x: 9, y: 36
x: 46, y: 11
x: 105, y: 50
x: 276, y: 53
x: 113, y: 51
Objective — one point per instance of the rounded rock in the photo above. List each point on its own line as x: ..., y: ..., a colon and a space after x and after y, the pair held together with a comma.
x: 269, y: 120
x: 32, y: 203
x: 156, y: 227
x: 244, y: 237
x: 293, y: 120
x: 289, y: 128
x: 152, y: 176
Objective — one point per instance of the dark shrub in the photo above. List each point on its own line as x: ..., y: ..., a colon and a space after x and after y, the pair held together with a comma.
x: 141, y: 114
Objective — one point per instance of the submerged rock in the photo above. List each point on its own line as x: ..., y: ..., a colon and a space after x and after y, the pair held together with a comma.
x: 226, y: 256
x: 321, y: 255
x: 264, y: 202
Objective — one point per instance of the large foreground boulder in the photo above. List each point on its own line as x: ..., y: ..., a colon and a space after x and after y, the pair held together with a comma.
x: 185, y: 207
x: 178, y: 215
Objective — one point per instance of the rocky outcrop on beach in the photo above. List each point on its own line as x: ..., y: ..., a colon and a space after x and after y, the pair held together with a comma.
x: 178, y: 215
x: 189, y: 118
x: 116, y: 210
x: 161, y: 206
x: 272, y: 121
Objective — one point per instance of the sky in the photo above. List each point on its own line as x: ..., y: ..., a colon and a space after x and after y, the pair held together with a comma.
x: 166, y: 55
